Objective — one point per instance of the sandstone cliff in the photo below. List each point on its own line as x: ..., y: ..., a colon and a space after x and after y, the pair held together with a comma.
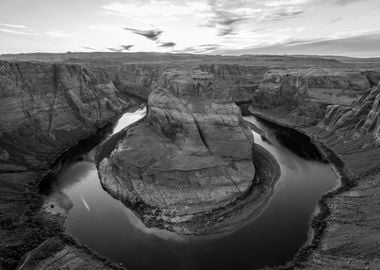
x: 44, y: 110
x: 305, y: 94
x: 343, y: 117
x: 191, y: 156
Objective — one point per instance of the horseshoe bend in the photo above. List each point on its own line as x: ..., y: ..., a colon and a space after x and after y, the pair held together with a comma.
x: 228, y: 150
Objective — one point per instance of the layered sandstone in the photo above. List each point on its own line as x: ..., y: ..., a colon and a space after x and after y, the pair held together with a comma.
x: 304, y: 95
x: 44, y: 110
x: 346, y: 122
x: 192, y: 154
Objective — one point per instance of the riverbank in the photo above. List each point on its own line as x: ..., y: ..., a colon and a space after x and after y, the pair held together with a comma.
x: 25, y: 227
x: 215, y: 222
x: 345, y: 228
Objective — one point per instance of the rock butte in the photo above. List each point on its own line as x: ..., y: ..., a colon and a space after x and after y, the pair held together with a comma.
x: 191, y: 155
x: 51, y: 101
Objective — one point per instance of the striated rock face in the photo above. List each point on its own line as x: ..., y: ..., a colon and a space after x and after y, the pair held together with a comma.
x: 45, y: 108
x: 192, y: 154
x: 134, y: 80
x: 363, y: 116
x: 305, y: 95
x: 239, y: 81
x: 138, y: 80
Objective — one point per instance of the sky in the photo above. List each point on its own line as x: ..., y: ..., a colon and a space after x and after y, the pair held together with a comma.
x: 229, y: 27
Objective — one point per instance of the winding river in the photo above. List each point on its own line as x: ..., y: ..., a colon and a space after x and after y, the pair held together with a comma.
x: 105, y: 225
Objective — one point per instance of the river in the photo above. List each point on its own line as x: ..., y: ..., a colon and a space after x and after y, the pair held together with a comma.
x: 105, y: 225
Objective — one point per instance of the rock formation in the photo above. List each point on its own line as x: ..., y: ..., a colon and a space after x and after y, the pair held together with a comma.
x: 362, y: 116
x: 343, y: 118
x: 305, y: 94
x: 192, y: 154
x: 45, y: 108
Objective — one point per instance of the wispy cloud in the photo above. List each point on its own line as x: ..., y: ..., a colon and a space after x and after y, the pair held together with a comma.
x: 59, y: 34
x: 167, y: 44
x: 13, y: 25
x: 361, y: 45
x: 19, y: 32
x: 114, y: 49
x: 203, y: 48
x: 127, y: 47
x: 149, y: 34
x: 154, y: 8
x: 346, y: 2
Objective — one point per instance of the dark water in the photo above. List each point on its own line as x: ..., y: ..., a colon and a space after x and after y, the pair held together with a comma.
x: 108, y: 227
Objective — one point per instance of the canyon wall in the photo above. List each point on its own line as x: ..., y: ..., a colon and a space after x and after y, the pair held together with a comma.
x: 340, y: 112
x: 46, y: 108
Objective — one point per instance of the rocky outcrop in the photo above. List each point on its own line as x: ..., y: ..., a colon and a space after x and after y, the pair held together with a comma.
x: 304, y: 95
x: 45, y: 108
x: 191, y: 156
x: 133, y: 80
x: 362, y: 117
x: 346, y: 228
x: 64, y: 253
x: 238, y: 80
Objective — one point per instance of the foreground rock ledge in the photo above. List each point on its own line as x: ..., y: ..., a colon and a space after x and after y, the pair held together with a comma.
x: 191, y: 156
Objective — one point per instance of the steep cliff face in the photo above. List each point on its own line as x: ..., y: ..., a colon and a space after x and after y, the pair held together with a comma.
x: 138, y: 80
x: 192, y: 155
x: 134, y: 80
x: 45, y: 108
x: 305, y: 94
x: 343, y: 115
x: 362, y: 117
x: 240, y: 81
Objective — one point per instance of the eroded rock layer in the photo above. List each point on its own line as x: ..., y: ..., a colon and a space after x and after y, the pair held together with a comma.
x: 346, y: 120
x: 44, y: 108
x: 192, y: 154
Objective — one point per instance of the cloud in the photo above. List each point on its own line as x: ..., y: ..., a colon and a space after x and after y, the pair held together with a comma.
x: 222, y: 19
x: 13, y: 25
x: 127, y: 47
x: 114, y: 49
x: 346, y: 2
x: 154, y: 8
x: 228, y: 15
x: 204, y: 48
x: 360, y: 45
x: 59, y: 34
x: 149, y: 34
x: 18, y: 32
x: 167, y: 44
x: 88, y: 48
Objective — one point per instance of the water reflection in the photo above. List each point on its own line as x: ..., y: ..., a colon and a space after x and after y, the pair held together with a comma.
x: 108, y: 227
x: 129, y: 118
